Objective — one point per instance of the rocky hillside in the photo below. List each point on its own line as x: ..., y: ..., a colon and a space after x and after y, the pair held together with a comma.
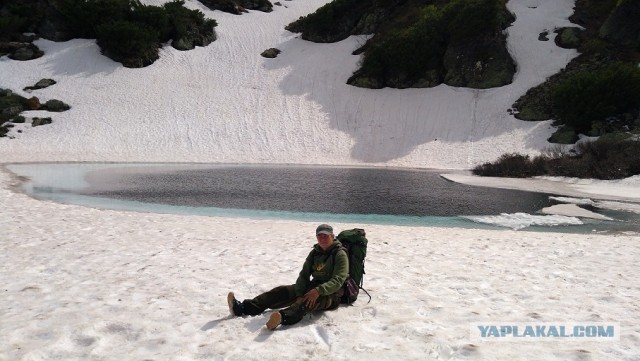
x: 599, y: 91
x: 126, y: 30
x: 419, y: 43
x: 424, y: 43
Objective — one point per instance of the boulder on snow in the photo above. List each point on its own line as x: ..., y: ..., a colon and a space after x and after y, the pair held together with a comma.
x: 36, y: 122
x: 33, y: 103
x: 41, y: 84
x: 55, y: 105
x: 270, y: 53
x: 24, y: 52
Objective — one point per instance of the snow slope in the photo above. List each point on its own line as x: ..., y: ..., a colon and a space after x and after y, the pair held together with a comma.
x: 226, y: 103
x: 89, y: 284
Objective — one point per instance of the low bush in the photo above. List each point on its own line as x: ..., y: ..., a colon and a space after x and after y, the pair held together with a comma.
x: 157, y: 18
x: 606, y: 158
x: 19, y: 17
x: 18, y: 119
x: 132, y: 44
x: 512, y: 165
x: 188, y: 25
x: 11, y: 25
x: 130, y: 32
x: 83, y: 17
x: 588, y: 96
x: 331, y: 22
x: 411, y: 52
x: 404, y: 55
x: 468, y: 19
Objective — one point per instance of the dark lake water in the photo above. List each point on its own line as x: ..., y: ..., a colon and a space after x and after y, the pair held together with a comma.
x: 311, y: 189
x: 312, y: 193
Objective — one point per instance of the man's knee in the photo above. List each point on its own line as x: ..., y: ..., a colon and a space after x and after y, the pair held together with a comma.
x: 329, y: 302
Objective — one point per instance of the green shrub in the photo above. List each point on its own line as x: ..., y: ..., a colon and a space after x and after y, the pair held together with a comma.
x: 18, y: 119
x: 606, y: 158
x: 18, y: 17
x: 564, y: 135
x: 512, y: 165
x: 187, y: 23
x: 411, y: 51
x: 331, y: 22
x: 610, y: 158
x: 593, y: 46
x: 588, y: 96
x: 83, y: 17
x: 154, y: 17
x: 11, y: 25
x: 465, y: 19
x: 130, y: 32
x: 406, y: 54
x: 133, y: 44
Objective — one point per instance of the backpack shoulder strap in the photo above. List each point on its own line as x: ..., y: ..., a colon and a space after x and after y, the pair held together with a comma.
x: 335, y: 250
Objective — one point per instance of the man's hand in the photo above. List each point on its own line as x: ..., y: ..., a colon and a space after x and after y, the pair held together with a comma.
x: 310, y: 298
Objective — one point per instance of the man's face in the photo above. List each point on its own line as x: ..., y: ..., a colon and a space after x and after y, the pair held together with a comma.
x: 324, y: 240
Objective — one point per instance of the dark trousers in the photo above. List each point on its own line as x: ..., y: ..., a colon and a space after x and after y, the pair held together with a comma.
x: 285, y: 296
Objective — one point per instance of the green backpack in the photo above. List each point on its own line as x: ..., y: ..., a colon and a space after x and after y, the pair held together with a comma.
x: 354, y: 243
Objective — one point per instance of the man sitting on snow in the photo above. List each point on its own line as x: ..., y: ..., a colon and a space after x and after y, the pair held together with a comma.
x: 322, y: 292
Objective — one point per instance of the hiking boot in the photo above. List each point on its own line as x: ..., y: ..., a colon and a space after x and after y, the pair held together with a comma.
x: 274, y: 320
x: 235, y: 306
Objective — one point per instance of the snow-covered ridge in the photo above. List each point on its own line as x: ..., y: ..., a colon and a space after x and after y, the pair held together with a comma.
x: 226, y: 103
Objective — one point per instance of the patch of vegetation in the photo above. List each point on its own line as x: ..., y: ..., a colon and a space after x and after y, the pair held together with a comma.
x: 131, y: 33
x: 238, y: 6
x: 610, y: 157
x: 419, y: 43
x: 11, y: 105
x: 333, y: 21
x: 512, y: 165
x: 19, y: 17
x: 588, y: 96
x: 133, y: 45
x: 188, y: 28
x: 599, y: 91
x: 598, y: 94
x: 126, y: 30
x: 403, y: 57
x: 564, y: 135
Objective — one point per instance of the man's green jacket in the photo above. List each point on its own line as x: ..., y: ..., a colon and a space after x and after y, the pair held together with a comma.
x: 328, y: 272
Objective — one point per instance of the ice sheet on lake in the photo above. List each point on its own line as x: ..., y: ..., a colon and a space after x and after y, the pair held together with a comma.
x: 610, y: 205
x: 523, y: 220
x: 573, y: 210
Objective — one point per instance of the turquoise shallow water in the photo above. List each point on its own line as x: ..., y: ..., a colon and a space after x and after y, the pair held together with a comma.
x: 354, y: 195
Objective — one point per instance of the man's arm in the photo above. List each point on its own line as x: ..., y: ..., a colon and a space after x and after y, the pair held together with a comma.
x: 305, y: 274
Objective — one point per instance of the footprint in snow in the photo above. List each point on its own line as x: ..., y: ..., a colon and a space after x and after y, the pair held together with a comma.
x: 322, y: 335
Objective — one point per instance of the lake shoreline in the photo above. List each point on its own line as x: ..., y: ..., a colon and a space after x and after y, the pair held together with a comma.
x: 541, y: 218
